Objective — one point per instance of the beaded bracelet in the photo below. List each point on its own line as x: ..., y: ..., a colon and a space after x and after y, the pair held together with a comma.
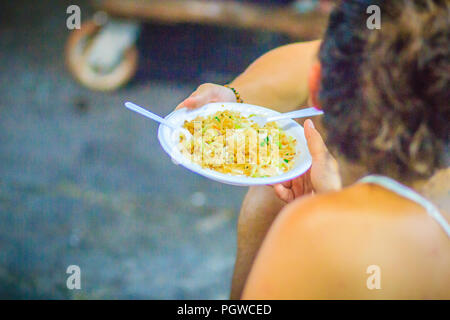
x: 237, y: 95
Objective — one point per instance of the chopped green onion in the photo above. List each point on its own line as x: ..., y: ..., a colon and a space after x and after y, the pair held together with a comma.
x: 265, y: 141
x: 286, y: 160
x: 217, y: 119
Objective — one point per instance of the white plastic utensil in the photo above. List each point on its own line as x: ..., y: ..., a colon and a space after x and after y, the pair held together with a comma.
x: 308, y: 112
x: 151, y: 115
x: 148, y: 114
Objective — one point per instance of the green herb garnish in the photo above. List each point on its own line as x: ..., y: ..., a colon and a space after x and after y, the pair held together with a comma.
x: 265, y: 141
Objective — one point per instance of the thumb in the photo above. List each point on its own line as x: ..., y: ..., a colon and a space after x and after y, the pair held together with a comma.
x: 316, y: 146
x: 191, y: 102
x: 325, y: 170
x: 196, y: 100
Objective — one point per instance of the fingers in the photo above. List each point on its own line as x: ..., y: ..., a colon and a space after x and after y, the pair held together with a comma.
x: 195, y: 100
x: 324, y: 170
x: 308, y: 184
x: 302, y: 185
x: 191, y: 102
x: 206, y: 93
x: 306, y: 187
x: 283, y: 193
x: 287, y: 184
x: 316, y: 146
x: 201, y: 97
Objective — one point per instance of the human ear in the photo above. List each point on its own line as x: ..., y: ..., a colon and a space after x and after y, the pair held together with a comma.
x: 314, y: 84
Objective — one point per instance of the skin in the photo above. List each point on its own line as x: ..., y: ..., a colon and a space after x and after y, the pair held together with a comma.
x: 320, y: 248
x: 277, y: 80
x: 285, y: 251
x: 262, y: 204
x: 280, y: 80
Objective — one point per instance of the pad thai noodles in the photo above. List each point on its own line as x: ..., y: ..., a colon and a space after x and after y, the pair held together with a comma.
x: 230, y: 143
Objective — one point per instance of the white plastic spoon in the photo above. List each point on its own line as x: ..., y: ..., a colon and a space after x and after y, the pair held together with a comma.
x: 307, y: 112
x: 151, y: 115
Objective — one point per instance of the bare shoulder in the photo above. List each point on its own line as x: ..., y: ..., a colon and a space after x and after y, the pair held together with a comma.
x: 328, y: 245
x: 369, y: 206
x: 305, y: 45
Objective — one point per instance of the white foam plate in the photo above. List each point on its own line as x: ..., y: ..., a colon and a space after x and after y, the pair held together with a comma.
x: 169, y: 139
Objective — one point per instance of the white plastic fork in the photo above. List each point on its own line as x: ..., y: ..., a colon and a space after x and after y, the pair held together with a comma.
x: 153, y: 116
x: 307, y: 112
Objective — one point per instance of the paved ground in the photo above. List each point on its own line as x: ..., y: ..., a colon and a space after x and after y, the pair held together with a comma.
x: 84, y: 181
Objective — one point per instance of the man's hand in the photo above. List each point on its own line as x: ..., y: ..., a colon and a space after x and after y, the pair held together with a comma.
x: 323, y: 175
x: 207, y: 93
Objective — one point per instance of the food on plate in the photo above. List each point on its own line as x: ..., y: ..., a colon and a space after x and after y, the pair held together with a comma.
x: 231, y: 143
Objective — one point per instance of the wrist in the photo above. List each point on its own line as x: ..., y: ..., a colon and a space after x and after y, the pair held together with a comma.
x: 235, y: 92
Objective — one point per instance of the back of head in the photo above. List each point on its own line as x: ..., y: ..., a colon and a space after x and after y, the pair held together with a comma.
x: 385, y: 92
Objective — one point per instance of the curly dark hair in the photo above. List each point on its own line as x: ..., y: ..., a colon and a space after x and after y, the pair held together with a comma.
x: 385, y: 92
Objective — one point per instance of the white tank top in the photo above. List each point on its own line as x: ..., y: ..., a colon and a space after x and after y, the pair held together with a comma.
x: 410, y: 194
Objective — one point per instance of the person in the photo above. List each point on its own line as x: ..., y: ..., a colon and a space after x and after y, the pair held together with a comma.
x: 386, y: 102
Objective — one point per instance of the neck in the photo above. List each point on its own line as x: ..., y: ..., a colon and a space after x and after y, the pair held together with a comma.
x: 417, y: 184
x: 436, y: 189
x: 440, y: 179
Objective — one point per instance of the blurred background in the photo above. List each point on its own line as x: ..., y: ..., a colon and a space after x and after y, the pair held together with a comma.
x: 83, y: 181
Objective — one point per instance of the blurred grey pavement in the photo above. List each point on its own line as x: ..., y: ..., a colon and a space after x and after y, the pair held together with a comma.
x: 83, y: 181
